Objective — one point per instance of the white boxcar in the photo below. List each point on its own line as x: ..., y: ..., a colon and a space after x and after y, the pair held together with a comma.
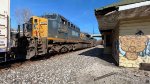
x: 4, y: 25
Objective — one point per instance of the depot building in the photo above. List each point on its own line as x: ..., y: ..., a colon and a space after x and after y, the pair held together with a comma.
x: 125, y: 29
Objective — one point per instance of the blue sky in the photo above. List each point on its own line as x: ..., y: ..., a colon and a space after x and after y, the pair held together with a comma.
x: 79, y: 12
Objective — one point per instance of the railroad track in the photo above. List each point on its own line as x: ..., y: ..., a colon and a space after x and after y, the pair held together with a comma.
x: 17, y: 63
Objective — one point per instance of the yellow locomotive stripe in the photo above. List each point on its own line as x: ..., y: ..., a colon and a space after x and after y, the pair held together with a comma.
x: 59, y: 39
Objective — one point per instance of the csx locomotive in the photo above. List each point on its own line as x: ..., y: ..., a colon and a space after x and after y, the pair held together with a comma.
x: 48, y: 34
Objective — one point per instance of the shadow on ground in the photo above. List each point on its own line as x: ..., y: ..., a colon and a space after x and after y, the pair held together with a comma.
x: 18, y: 63
x: 11, y: 64
x: 98, y: 52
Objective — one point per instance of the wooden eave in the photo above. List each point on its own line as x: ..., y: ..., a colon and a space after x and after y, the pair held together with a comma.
x: 111, y: 19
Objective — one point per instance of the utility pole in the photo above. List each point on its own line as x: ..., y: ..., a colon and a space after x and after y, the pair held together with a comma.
x: 93, y: 29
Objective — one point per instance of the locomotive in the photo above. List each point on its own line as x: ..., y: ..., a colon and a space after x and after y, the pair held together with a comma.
x: 51, y: 33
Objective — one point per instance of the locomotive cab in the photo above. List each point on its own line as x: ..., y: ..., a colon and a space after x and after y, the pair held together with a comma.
x: 38, y: 27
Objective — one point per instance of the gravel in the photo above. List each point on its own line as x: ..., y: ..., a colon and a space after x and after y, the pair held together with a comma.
x: 86, y: 66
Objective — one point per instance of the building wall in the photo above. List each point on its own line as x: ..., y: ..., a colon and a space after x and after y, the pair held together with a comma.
x: 134, y: 42
x: 115, y: 45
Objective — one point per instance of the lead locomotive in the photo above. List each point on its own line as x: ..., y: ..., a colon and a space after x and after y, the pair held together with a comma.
x: 47, y: 34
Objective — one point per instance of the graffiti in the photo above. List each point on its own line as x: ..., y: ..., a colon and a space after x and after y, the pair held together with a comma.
x: 146, y: 52
x: 133, y: 45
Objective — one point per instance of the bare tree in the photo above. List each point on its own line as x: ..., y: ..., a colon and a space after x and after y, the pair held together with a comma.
x: 22, y: 15
x: 18, y: 16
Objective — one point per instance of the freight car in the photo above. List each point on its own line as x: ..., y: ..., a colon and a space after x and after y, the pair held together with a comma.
x: 4, y: 28
x: 48, y: 34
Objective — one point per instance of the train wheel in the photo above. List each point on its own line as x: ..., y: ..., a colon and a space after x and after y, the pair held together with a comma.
x: 74, y: 48
x: 63, y: 50
x: 50, y: 51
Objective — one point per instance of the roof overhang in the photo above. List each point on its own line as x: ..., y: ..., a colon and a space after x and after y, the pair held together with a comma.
x: 109, y: 19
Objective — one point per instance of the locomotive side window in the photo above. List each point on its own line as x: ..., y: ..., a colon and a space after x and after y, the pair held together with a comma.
x: 68, y: 23
x: 71, y: 25
x: 64, y: 22
x: 35, y: 20
x: 35, y: 23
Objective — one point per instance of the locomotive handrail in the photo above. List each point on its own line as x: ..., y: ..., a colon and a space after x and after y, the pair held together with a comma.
x: 2, y: 25
x: 2, y: 15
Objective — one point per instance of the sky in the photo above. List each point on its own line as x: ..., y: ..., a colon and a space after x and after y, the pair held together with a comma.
x: 79, y: 12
